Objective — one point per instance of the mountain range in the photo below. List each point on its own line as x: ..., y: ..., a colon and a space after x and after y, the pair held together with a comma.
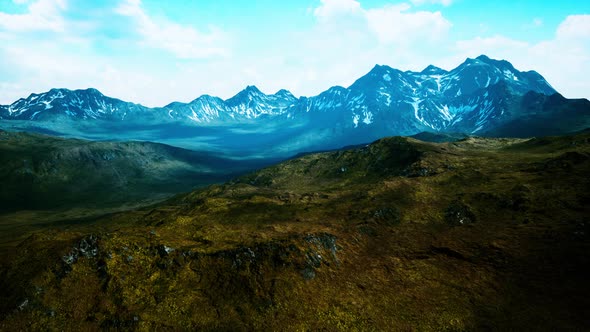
x: 442, y: 230
x: 482, y: 96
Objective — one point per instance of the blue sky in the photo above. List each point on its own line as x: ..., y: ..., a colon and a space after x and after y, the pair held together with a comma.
x: 154, y: 52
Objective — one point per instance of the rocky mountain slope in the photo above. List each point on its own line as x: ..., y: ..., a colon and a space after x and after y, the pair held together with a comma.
x: 475, y: 234
x: 77, y: 104
x: 480, y: 96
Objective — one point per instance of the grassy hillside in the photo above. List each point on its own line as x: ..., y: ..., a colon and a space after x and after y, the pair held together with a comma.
x: 44, y: 172
x: 477, y: 234
x: 439, y: 137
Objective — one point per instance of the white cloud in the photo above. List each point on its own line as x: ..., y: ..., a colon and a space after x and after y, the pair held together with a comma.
x: 574, y: 27
x: 389, y: 24
x: 42, y: 15
x: 441, y: 2
x: 185, y: 42
x: 345, y: 42
x: 349, y: 39
x: 341, y: 47
x: 394, y: 23
x: 330, y: 8
x: 67, y: 56
x: 146, y: 80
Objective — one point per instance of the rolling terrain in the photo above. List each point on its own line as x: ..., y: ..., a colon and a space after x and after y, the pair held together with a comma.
x: 400, y: 234
x: 45, y: 178
x: 39, y: 171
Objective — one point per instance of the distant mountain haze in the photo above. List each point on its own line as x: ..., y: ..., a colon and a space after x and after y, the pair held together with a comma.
x: 481, y: 96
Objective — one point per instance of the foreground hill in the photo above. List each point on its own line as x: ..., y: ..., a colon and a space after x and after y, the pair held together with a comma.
x: 477, y: 234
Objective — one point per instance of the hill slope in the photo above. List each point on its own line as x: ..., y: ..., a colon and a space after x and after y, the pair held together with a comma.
x: 475, y: 234
x: 44, y: 172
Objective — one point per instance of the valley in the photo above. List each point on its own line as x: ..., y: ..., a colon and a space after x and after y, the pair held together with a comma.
x: 433, y: 200
x: 46, y: 179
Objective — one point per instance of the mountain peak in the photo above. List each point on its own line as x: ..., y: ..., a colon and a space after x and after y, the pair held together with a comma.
x: 92, y: 90
x: 470, y: 61
x: 249, y: 92
x: 56, y: 90
x: 284, y: 93
x: 64, y: 91
x: 380, y: 69
x: 483, y: 58
x: 431, y: 69
x: 501, y: 64
x: 253, y: 89
x: 202, y: 98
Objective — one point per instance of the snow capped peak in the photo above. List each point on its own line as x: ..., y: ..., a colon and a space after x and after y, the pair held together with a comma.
x: 284, y: 94
x: 74, y: 104
x: 470, y: 62
x: 484, y: 60
x: 436, y: 98
x: 379, y: 76
x: 380, y: 73
x: 380, y: 70
x: 251, y: 91
x: 500, y: 64
x: 483, y: 72
x: 63, y: 93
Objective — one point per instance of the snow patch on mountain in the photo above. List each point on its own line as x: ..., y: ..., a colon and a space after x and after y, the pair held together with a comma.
x: 510, y: 75
x: 470, y: 95
x: 387, y: 97
x: 367, y: 117
x: 416, y: 105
